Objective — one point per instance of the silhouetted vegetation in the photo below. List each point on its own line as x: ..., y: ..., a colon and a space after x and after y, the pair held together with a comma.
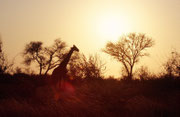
x: 5, y: 65
x: 24, y: 95
x: 85, y: 92
x: 143, y: 73
x: 83, y: 67
x: 128, y: 50
x: 172, y: 66
x: 47, y: 58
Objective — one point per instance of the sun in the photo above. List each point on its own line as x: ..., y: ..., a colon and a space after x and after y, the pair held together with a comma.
x: 111, y: 27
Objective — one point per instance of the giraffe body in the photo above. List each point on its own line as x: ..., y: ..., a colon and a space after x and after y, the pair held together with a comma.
x: 59, y: 73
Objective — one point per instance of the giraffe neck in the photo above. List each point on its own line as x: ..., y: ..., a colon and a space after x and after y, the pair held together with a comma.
x: 64, y: 63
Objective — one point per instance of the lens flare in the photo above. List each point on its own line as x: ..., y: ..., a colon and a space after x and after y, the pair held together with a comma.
x: 63, y: 89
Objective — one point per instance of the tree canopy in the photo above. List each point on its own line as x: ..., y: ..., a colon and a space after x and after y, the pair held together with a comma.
x: 47, y: 58
x: 129, y: 49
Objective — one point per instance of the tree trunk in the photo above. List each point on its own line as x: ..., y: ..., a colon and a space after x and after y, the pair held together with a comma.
x: 40, y: 70
x: 46, y: 72
x: 129, y: 77
x: 130, y: 73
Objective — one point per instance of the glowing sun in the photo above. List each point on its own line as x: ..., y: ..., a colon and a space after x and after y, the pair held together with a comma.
x: 112, y: 27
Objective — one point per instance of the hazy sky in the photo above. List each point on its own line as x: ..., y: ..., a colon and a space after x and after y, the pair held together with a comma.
x: 89, y: 24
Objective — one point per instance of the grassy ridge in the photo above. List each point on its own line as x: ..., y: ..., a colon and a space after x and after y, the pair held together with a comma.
x: 32, y: 96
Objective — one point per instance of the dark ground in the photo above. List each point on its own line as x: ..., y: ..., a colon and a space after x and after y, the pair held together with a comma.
x: 31, y: 96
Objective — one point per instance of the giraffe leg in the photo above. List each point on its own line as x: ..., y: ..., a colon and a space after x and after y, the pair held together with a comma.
x: 57, y: 91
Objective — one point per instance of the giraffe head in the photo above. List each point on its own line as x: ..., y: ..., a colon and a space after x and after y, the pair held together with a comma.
x: 75, y: 48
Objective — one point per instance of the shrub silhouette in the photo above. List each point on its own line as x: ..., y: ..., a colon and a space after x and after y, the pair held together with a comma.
x: 172, y: 65
x: 83, y: 67
x: 5, y: 65
x: 143, y: 73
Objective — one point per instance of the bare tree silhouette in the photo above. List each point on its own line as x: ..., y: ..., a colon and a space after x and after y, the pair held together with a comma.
x: 83, y: 67
x: 172, y: 65
x: 5, y: 65
x: 47, y: 58
x: 128, y: 50
x: 55, y: 54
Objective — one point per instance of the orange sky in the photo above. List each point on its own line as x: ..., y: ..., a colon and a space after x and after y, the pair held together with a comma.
x: 89, y: 24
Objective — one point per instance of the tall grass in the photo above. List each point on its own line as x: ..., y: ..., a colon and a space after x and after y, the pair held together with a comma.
x: 32, y: 96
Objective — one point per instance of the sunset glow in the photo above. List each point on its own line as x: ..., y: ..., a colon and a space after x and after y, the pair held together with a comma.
x: 90, y: 25
x: 111, y: 26
x: 90, y: 58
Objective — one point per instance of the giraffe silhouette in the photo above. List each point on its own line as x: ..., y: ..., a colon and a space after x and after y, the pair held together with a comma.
x: 59, y: 73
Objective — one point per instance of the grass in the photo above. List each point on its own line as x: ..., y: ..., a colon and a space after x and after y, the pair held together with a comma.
x: 32, y: 96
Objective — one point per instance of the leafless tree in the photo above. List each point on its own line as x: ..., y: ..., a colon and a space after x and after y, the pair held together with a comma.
x: 128, y: 50
x: 5, y: 65
x: 55, y: 54
x: 172, y: 65
x: 83, y: 67
x: 46, y: 57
